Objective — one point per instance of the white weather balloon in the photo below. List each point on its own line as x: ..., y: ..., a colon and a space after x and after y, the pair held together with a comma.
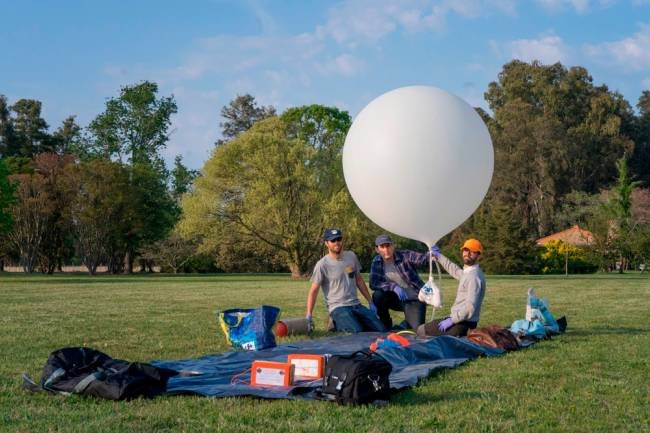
x: 418, y: 162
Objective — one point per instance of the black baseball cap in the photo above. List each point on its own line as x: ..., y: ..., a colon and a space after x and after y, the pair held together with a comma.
x: 331, y: 234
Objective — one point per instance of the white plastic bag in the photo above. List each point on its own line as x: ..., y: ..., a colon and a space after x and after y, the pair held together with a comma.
x: 537, y: 309
x: 430, y: 294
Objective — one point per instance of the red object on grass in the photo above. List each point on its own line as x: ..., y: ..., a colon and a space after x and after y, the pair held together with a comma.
x: 281, y: 329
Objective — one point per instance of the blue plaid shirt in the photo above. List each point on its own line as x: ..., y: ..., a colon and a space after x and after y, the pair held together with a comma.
x: 406, y: 264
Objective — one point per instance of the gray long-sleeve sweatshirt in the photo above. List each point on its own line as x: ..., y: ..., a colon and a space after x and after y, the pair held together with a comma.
x: 471, y: 290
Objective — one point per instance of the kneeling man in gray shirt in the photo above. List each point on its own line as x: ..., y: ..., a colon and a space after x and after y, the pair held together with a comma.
x: 338, y: 274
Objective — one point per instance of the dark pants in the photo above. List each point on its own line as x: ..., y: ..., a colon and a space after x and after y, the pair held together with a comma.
x: 414, y: 311
x: 460, y: 329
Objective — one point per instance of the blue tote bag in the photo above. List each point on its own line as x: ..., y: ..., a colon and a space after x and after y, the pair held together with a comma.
x: 249, y: 328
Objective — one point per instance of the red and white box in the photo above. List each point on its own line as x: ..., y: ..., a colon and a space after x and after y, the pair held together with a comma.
x: 268, y: 373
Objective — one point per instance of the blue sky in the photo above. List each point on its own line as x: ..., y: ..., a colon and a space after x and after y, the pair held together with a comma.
x: 73, y: 55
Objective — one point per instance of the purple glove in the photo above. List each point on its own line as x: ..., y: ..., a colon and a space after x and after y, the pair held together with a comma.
x: 445, y: 324
x: 401, y: 293
x: 310, y: 323
x: 435, y: 251
x: 372, y: 307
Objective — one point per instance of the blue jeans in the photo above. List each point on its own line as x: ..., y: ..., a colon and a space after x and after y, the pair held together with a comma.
x: 355, y: 319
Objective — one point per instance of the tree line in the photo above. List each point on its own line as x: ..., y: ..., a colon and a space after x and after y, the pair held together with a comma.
x: 566, y: 152
x: 94, y: 196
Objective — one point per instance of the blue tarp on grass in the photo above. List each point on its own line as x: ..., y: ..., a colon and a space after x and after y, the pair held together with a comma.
x: 212, y: 375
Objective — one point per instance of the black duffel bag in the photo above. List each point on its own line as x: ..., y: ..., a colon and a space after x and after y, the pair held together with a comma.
x: 80, y: 370
x: 359, y: 378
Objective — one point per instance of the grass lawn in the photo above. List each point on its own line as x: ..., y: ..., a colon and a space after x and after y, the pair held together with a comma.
x: 595, y: 378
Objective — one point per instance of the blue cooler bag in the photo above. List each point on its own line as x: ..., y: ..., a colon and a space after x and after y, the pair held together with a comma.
x: 249, y: 328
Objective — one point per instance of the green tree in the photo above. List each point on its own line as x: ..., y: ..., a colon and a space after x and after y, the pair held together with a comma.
x: 19, y: 165
x: 30, y: 128
x: 56, y: 244
x: 641, y: 246
x: 240, y: 114
x: 528, y: 165
x: 554, y: 132
x: 8, y: 142
x: 154, y: 210
x: 134, y: 126
x: 640, y: 159
x: 508, y: 248
x: 7, y: 190
x: 67, y: 139
x: 577, y: 208
x: 559, y: 257
x: 620, y: 206
x: 275, y: 188
x: 31, y: 213
x: 100, y: 210
x: 182, y: 178
x: 172, y: 253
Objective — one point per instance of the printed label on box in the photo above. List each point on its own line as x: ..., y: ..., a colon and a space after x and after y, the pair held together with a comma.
x: 269, y: 376
x: 306, y: 367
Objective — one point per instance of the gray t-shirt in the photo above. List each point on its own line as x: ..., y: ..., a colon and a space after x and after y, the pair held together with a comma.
x: 390, y: 270
x: 337, y: 278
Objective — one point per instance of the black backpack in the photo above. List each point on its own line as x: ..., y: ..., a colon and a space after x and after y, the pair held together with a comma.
x: 80, y: 370
x: 359, y: 378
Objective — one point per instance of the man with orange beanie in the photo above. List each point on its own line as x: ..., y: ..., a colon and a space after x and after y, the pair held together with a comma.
x: 471, y: 289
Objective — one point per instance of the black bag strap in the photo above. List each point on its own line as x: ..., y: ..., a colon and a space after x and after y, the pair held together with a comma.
x: 83, y: 383
x: 369, y: 354
x: 47, y: 384
x: 30, y: 385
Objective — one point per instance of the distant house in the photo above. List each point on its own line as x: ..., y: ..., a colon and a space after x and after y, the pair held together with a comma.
x: 574, y: 236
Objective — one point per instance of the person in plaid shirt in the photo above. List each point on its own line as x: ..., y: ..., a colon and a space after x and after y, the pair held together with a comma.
x: 395, y: 282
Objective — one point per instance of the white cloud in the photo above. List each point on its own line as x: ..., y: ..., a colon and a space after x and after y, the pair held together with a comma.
x: 546, y: 49
x: 438, y: 17
x: 580, y: 6
x: 372, y: 20
x: 367, y: 19
x: 345, y: 65
x: 348, y: 24
x: 265, y: 19
x: 281, y: 69
x: 239, y: 54
x: 631, y: 53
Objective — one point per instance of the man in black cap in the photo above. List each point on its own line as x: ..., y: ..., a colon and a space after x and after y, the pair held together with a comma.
x: 338, y: 273
x: 395, y: 282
